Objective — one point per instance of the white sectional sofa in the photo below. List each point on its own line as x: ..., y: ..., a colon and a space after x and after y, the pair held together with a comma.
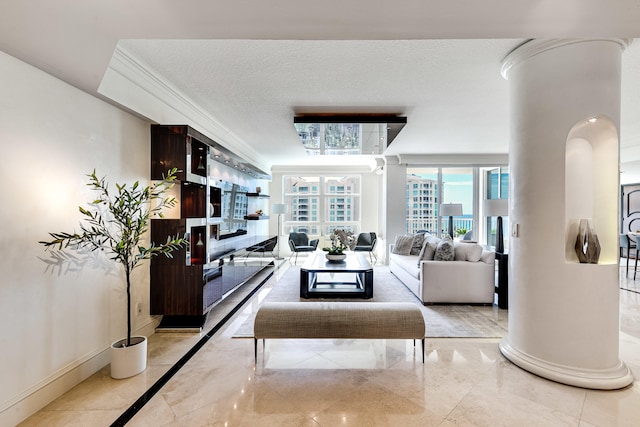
x: 458, y: 281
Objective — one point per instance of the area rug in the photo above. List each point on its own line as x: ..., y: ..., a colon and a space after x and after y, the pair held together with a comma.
x: 442, y: 321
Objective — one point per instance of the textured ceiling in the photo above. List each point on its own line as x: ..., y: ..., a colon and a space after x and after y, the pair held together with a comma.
x: 250, y: 66
x: 450, y: 90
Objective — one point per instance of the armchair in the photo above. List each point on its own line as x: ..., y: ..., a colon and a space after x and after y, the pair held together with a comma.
x: 299, y: 242
x: 266, y: 246
x: 367, y: 243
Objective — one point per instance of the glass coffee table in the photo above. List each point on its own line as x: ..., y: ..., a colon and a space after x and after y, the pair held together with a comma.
x: 351, y: 278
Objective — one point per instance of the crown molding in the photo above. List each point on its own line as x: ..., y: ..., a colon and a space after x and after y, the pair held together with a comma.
x: 534, y: 47
x: 323, y: 169
x: 165, y: 104
x: 454, y: 159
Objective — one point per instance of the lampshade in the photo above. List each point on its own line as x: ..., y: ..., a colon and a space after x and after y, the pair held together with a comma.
x: 496, y: 207
x: 279, y: 208
x: 451, y: 209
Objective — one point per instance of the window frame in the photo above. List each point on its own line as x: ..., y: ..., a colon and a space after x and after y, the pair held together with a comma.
x: 342, y: 196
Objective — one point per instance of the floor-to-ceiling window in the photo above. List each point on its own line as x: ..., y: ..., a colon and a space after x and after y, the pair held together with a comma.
x: 422, y: 200
x: 429, y: 187
x: 320, y: 204
x: 496, y: 182
x: 457, y: 187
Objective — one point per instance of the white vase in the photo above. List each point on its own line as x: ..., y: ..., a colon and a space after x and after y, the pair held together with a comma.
x: 335, y: 258
x: 128, y: 361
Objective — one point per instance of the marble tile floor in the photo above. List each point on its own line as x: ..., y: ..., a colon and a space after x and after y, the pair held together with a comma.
x: 463, y: 382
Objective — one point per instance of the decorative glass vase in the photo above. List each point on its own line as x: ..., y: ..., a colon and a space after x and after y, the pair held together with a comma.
x: 587, y: 244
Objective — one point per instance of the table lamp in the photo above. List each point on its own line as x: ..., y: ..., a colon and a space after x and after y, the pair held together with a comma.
x: 451, y: 210
x: 497, y: 208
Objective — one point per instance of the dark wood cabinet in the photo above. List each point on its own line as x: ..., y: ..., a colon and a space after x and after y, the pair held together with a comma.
x: 193, y: 200
x: 179, y: 147
x: 186, y: 286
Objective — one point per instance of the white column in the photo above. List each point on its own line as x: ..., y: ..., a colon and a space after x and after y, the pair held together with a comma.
x: 564, y: 315
x: 394, y: 201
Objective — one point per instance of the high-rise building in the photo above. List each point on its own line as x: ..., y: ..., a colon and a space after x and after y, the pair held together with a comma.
x: 422, y: 204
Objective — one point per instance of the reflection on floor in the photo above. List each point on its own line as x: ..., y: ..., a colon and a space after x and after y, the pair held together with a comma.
x: 349, y: 383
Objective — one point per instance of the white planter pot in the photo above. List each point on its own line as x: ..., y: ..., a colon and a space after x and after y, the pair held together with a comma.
x: 335, y: 258
x: 128, y: 361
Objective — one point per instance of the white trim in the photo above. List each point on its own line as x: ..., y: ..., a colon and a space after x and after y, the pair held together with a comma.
x: 332, y: 170
x: 445, y: 160
x: 536, y: 46
x: 53, y: 386
x: 137, y: 81
x: 613, y: 378
x: 59, y: 382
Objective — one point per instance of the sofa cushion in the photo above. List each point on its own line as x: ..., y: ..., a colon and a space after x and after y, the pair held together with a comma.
x: 428, y: 250
x: 416, y: 245
x: 488, y: 257
x: 444, y: 250
x: 408, y: 264
x: 402, y: 245
x: 467, y: 251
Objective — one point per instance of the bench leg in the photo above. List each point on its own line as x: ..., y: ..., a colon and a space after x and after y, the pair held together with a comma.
x: 255, y: 349
x: 421, y: 347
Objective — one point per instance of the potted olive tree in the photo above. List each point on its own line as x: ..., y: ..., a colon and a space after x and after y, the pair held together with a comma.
x: 115, y: 223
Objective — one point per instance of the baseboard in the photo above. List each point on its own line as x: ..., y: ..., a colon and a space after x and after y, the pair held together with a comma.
x: 55, y: 385
x: 52, y: 387
x: 611, y: 378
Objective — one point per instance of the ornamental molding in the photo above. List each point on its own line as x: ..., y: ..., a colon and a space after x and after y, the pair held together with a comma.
x: 534, y: 47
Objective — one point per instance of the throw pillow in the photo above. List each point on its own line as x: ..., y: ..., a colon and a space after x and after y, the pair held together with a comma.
x: 467, y: 251
x: 402, y: 245
x: 416, y: 245
x: 444, y: 250
x: 428, y: 250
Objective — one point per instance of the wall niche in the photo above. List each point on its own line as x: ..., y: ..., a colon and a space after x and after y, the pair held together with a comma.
x: 591, y: 163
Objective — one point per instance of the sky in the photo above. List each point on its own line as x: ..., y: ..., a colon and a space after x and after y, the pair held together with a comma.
x: 457, y: 188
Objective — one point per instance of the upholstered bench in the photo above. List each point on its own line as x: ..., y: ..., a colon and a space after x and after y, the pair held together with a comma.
x: 349, y: 320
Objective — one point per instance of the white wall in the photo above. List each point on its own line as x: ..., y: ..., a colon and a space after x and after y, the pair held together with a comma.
x: 58, y: 321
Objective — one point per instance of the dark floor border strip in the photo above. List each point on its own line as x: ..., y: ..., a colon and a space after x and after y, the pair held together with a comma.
x: 630, y: 290
x: 155, y: 388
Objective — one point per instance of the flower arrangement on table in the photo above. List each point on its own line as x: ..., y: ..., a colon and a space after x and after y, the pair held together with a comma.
x: 336, y: 248
x: 340, y: 241
x: 346, y: 238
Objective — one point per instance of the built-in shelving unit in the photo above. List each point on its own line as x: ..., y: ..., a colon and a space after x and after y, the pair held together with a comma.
x: 185, y: 287
x: 256, y: 218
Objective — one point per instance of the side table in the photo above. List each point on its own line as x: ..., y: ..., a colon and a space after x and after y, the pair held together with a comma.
x: 503, y: 280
